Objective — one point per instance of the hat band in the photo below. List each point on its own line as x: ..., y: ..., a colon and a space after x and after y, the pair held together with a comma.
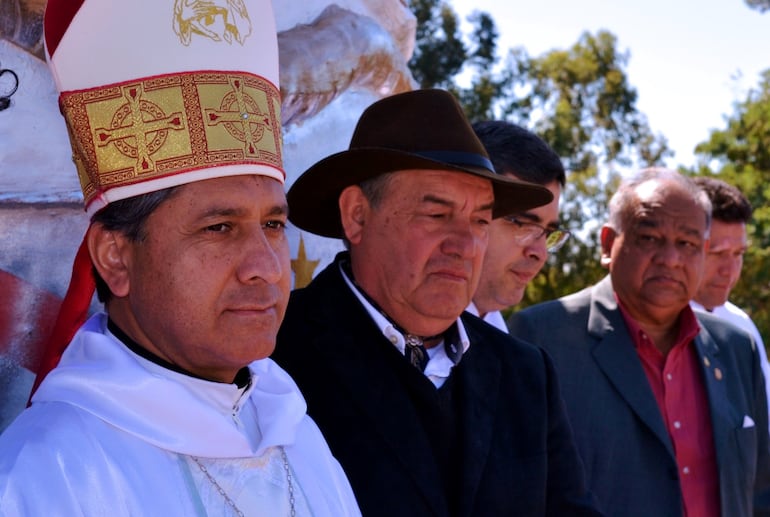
x: 458, y: 158
x: 145, y: 129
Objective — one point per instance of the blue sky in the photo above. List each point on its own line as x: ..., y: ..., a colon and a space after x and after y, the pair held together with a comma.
x: 689, y: 60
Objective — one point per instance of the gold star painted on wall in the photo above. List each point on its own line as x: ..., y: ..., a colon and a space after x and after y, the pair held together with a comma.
x: 302, y: 267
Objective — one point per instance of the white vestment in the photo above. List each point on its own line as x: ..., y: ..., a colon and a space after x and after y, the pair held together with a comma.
x: 110, y: 433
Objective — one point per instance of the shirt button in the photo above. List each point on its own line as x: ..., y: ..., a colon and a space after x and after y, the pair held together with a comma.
x: 394, y: 339
x: 669, y: 376
x: 677, y: 424
x: 686, y: 470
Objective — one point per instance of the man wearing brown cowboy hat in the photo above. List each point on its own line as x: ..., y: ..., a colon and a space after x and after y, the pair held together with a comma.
x: 429, y: 412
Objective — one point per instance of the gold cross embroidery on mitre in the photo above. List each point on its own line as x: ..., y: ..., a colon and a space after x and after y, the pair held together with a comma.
x: 245, y: 123
x: 138, y: 129
x: 216, y: 119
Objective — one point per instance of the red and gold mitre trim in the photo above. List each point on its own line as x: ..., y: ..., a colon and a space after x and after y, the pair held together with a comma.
x: 161, y: 127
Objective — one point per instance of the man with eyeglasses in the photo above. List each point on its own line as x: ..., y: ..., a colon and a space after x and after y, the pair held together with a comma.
x: 518, y: 244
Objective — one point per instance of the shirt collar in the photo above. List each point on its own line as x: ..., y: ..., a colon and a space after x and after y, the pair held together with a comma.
x: 242, y: 378
x: 106, y: 379
x: 688, y: 326
x: 397, y: 338
x: 494, y: 318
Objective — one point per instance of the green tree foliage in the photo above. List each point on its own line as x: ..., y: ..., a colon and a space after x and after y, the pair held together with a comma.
x: 584, y: 105
x: 486, y: 85
x: 740, y: 155
x: 439, y: 52
x: 578, y: 99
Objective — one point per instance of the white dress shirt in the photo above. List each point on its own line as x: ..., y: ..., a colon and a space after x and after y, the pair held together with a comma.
x: 494, y: 318
x: 439, y: 364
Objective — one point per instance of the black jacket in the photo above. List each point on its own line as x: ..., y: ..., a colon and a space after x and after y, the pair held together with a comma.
x: 514, y: 452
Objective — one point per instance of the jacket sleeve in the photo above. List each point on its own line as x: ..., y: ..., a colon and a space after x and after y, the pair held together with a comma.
x: 762, y: 479
x: 567, y: 490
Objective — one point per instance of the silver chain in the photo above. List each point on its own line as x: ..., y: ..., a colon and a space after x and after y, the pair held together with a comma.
x: 289, y: 482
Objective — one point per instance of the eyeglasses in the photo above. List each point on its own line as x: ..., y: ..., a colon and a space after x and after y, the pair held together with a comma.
x: 528, y: 232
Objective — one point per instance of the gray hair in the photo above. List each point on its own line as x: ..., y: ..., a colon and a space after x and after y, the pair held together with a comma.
x: 626, y: 194
x: 374, y: 191
x: 129, y: 217
x: 374, y: 188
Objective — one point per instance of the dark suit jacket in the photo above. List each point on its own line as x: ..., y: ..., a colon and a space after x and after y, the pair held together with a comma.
x: 517, y: 454
x: 627, y: 453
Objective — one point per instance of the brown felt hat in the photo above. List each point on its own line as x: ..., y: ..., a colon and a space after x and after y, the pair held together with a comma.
x: 420, y: 129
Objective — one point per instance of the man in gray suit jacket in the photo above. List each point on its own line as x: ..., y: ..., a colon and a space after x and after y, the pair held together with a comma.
x: 670, y: 420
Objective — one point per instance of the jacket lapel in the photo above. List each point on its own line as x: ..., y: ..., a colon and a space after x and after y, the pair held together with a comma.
x: 723, y: 414
x: 356, y: 362
x: 615, y: 354
x: 479, y: 373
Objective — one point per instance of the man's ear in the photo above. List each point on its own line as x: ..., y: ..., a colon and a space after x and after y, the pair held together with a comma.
x: 110, y: 254
x: 354, y: 208
x: 607, y: 237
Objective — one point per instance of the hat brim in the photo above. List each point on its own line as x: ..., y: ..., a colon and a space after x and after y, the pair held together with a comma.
x: 313, y: 198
